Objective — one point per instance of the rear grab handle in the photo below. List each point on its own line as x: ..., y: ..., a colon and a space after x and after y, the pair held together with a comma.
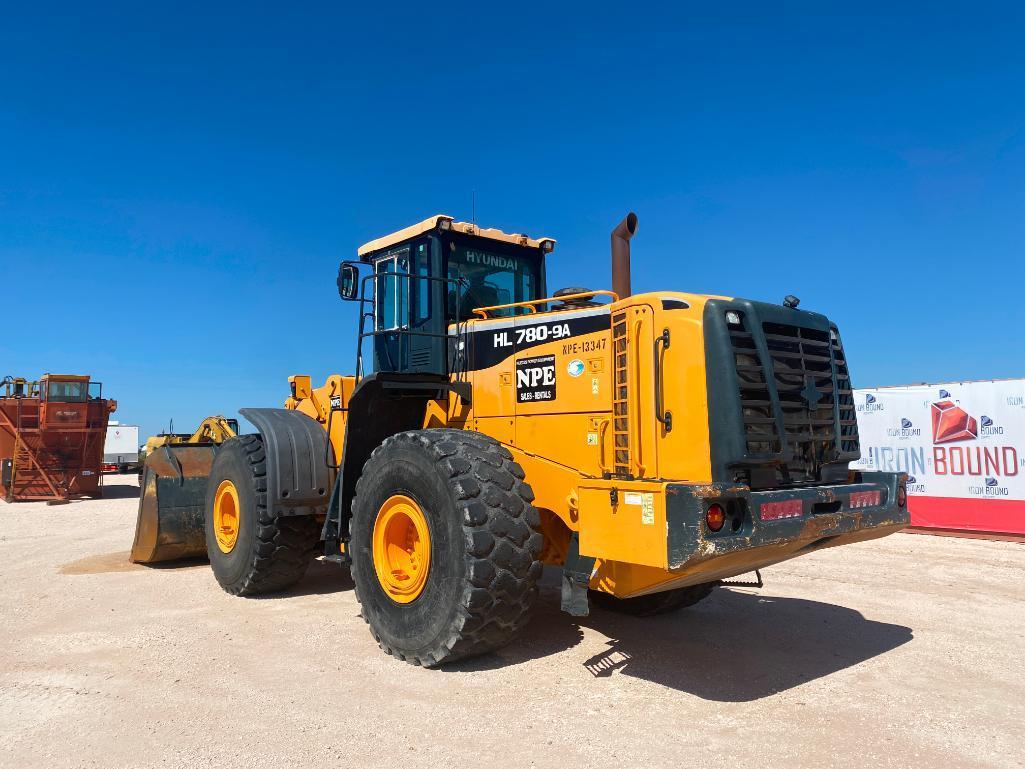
x: 663, y: 416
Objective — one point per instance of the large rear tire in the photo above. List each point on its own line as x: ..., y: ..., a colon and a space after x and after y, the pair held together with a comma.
x: 655, y: 603
x: 251, y: 550
x: 460, y: 575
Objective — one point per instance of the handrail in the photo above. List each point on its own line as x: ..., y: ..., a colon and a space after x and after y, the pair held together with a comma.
x: 602, y: 429
x: 328, y: 446
x: 635, y: 423
x: 483, y: 311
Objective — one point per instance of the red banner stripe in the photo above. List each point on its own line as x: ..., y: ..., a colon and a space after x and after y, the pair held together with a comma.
x: 990, y: 515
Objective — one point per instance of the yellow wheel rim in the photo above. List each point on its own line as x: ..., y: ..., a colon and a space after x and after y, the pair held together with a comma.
x: 402, y: 548
x: 226, y: 516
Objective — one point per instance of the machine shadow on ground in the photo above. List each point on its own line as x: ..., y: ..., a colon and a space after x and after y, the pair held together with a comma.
x: 322, y: 578
x: 741, y: 646
x: 735, y: 646
x: 120, y: 491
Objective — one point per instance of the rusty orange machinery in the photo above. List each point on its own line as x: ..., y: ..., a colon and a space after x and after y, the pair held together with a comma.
x: 51, y: 437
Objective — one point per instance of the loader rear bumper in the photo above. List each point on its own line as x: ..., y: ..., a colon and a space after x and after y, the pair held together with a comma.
x: 765, y: 527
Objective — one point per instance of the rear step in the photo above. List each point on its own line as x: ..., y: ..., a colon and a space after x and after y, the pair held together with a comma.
x: 742, y: 583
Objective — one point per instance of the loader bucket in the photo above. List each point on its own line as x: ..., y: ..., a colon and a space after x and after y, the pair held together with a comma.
x: 171, y: 503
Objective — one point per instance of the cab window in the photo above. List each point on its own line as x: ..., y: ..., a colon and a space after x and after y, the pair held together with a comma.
x: 488, y: 279
x: 392, y: 287
x: 66, y: 392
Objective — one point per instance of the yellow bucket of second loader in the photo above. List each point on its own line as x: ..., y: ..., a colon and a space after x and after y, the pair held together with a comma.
x: 171, y: 503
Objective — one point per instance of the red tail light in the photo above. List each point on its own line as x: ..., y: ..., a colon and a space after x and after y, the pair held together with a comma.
x: 715, y: 517
x: 864, y: 499
x: 773, y: 511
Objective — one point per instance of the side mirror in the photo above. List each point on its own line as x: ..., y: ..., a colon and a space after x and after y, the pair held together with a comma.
x: 348, y: 282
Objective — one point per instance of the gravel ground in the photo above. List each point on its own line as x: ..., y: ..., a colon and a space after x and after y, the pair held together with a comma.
x: 905, y: 652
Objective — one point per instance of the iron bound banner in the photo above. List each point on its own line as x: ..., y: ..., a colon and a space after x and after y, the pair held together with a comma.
x: 962, y: 445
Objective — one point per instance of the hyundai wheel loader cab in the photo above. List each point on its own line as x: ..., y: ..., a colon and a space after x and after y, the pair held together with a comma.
x: 652, y: 445
x: 425, y: 279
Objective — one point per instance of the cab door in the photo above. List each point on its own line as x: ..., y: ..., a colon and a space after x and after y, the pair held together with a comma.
x: 409, y: 319
x: 428, y: 343
x: 391, y: 311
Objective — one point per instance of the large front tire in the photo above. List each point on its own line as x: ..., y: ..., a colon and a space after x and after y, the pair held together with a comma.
x: 467, y: 580
x: 251, y: 550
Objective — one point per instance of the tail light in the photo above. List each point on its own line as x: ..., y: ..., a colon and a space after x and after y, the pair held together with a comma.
x: 715, y: 517
x: 902, y: 495
x: 773, y: 511
x: 864, y: 499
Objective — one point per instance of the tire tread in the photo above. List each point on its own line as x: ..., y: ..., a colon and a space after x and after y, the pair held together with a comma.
x: 284, y: 545
x: 501, y: 541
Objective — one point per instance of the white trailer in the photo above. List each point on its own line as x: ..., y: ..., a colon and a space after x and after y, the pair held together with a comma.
x: 121, y: 448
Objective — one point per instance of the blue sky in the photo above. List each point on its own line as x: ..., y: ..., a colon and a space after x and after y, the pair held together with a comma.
x: 178, y: 183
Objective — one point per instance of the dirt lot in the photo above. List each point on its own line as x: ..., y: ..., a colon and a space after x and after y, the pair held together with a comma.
x: 905, y: 652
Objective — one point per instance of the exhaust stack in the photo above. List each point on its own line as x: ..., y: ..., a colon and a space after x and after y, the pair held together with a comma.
x: 621, y: 254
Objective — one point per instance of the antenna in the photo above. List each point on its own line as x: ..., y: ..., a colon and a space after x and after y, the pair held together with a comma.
x: 473, y: 209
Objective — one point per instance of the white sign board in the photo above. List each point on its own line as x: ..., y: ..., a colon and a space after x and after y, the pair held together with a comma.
x: 962, y: 445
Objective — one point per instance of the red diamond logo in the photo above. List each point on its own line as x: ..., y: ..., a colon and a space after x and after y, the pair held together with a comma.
x: 952, y: 423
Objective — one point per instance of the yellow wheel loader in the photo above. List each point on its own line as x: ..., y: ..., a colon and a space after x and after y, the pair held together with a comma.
x: 650, y: 445
x: 171, y: 480
x: 216, y: 429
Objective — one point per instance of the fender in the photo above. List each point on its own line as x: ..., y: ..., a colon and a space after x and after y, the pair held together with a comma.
x: 298, y: 479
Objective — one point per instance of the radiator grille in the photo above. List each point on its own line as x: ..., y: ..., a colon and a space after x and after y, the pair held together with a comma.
x: 849, y: 443
x: 803, y: 373
x: 755, y: 399
x: 795, y: 398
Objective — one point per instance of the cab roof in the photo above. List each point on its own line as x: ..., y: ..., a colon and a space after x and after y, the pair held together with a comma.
x: 66, y: 377
x: 440, y: 221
